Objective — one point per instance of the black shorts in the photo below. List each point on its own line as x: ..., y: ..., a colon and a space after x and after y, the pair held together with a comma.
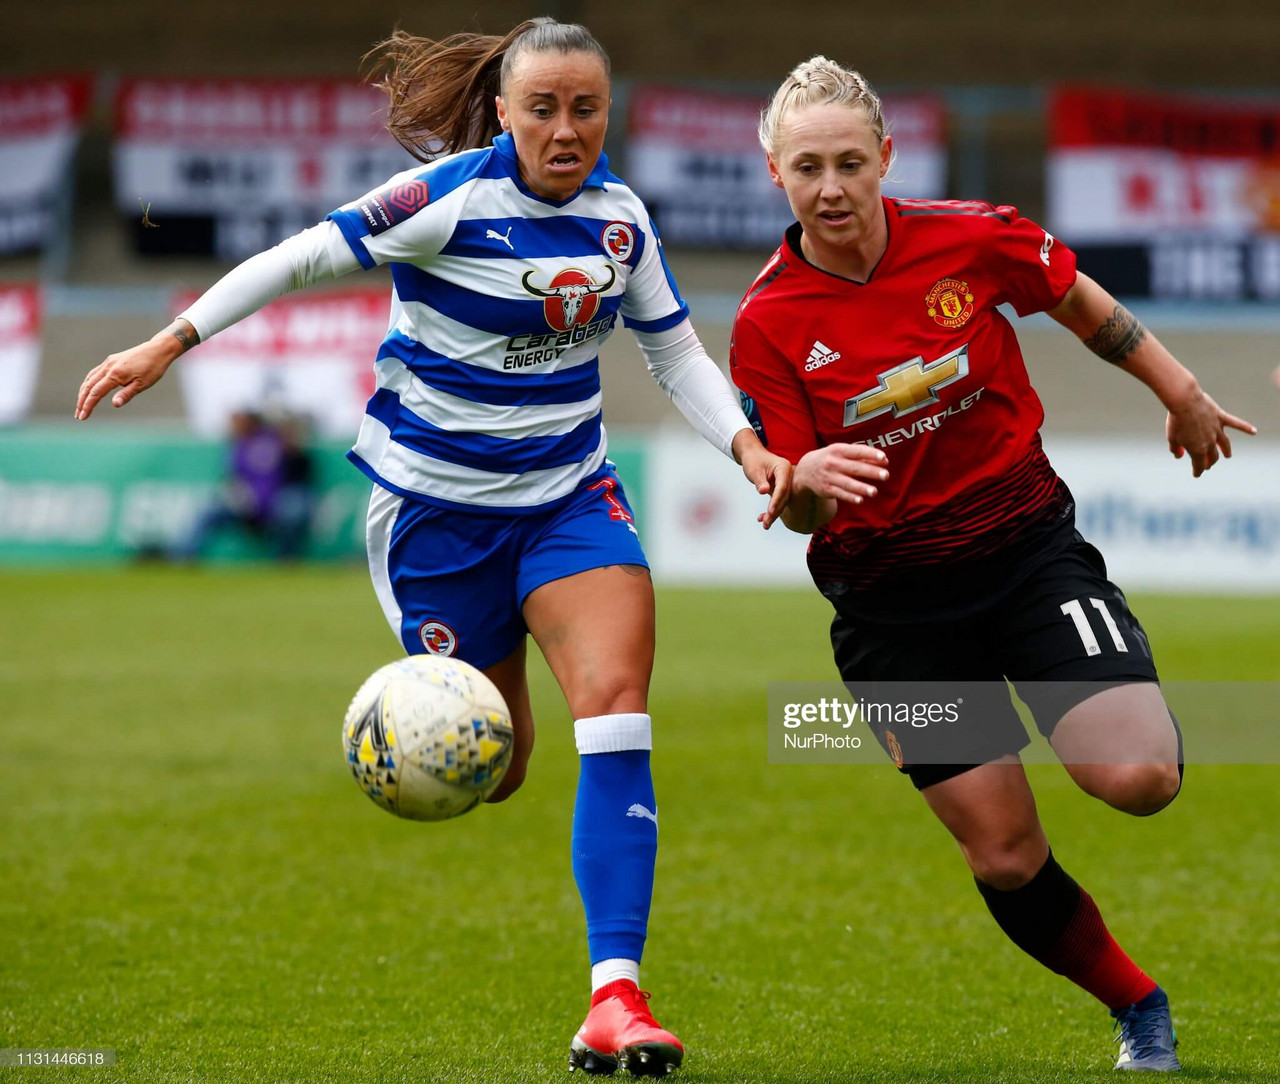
x: 1056, y: 636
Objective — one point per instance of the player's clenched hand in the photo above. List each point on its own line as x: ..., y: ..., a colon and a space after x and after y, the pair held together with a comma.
x: 131, y: 371
x: 847, y: 472
x: 1199, y: 426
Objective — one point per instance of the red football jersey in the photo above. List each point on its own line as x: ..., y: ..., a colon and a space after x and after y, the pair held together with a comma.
x: 918, y: 362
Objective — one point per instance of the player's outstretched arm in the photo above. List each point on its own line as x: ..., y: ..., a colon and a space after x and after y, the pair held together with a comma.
x: 310, y: 256
x: 1195, y: 424
x: 827, y: 475
x: 683, y: 369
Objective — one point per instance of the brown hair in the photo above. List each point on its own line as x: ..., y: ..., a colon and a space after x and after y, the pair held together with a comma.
x: 441, y: 92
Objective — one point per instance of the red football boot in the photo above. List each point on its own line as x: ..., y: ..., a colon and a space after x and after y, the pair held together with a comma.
x: 620, y: 1032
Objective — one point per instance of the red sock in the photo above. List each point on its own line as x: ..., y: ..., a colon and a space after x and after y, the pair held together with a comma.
x: 1089, y: 956
x: 1055, y: 921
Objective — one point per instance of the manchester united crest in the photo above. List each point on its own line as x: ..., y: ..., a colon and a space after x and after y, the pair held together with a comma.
x: 950, y: 302
x: 895, y: 750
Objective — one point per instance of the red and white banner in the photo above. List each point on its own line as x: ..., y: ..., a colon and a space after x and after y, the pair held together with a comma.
x: 1174, y: 197
x: 232, y: 166
x: 20, y: 313
x: 308, y: 355
x: 40, y: 122
x: 695, y: 158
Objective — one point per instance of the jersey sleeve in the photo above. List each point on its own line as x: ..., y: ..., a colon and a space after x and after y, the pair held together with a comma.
x: 1034, y: 268
x: 407, y: 220
x: 652, y: 301
x: 773, y: 399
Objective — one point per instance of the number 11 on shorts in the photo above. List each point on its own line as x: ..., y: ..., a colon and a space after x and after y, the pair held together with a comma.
x: 1075, y: 611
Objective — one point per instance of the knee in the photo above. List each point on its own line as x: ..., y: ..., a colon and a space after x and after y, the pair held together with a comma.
x: 1139, y: 789
x: 616, y: 692
x: 1008, y: 860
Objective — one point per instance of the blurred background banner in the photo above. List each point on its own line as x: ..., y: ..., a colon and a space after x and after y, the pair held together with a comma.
x: 1157, y: 530
x: 233, y: 166
x: 308, y: 355
x: 695, y: 158
x: 1161, y: 531
x: 40, y: 121
x: 70, y: 495
x: 19, y: 350
x: 1169, y: 197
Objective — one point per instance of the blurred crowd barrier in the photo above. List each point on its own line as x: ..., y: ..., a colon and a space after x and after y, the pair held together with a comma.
x: 1169, y: 198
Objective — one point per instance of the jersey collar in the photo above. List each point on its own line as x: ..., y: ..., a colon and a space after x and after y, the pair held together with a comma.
x: 505, y: 147
x: 792, y: 242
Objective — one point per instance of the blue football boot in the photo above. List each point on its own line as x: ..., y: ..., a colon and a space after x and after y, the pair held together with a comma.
x: 1147, y: 1039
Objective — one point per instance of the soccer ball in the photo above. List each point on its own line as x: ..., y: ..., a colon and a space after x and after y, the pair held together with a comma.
x: 428, y: 737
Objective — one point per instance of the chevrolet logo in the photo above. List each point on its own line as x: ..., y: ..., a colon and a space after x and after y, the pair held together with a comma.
x: 907, y: 387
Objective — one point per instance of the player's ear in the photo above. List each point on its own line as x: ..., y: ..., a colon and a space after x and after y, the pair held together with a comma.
x: 775, y: 174
x: 501, y: 107
x: 886, y: 155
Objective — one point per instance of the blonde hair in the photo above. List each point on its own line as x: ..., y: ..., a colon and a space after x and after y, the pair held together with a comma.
x: 819, y: 81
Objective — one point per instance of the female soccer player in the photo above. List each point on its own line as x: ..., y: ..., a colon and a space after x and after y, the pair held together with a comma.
x: 872, y: 350
x: 494, y: 511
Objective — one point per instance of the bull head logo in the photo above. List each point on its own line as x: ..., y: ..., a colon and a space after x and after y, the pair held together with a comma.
x: 572, y: 298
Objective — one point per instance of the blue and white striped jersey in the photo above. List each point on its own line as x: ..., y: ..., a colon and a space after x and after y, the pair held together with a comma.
x: 488, y: 382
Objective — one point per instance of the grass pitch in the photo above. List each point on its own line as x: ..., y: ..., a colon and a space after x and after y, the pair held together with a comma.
x: 189, y: 875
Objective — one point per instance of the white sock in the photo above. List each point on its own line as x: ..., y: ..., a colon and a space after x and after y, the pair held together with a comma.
x: 607, y: 971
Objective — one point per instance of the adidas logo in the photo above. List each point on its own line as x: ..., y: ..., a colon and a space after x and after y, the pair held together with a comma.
x: 819, y: 356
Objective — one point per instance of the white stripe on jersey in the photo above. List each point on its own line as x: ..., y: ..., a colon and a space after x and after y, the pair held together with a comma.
x: 446, y: 411
x: 453, y: 482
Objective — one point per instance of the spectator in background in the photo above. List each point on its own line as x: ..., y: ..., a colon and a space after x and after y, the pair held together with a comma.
x: 291, y: 521
x: 267, y: 492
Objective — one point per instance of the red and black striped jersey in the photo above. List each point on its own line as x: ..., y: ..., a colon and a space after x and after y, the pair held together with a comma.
x: 919, y: 362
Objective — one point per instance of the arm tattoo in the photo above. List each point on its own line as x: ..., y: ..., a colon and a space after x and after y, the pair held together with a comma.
x: 1118, y: 337
x: 188, y: 339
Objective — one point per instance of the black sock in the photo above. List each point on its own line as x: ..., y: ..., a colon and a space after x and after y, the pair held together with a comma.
x: 1054, y: 921
x: 1035, y: 916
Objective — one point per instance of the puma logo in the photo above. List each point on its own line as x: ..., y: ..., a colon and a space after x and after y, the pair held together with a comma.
x: 638, y: 810
x: 505, y: 239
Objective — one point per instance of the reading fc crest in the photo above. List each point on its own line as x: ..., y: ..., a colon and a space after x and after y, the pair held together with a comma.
x: 438, y: 638
x: 619, y: 241
x: 950, y: 302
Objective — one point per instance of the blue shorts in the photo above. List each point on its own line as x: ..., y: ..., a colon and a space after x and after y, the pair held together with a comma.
x: 452, y: 582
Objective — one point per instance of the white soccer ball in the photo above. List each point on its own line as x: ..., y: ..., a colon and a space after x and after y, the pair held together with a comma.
x: 428, y: 737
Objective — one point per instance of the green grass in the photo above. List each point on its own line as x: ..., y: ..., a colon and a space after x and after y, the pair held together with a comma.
x: 189, y: 875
